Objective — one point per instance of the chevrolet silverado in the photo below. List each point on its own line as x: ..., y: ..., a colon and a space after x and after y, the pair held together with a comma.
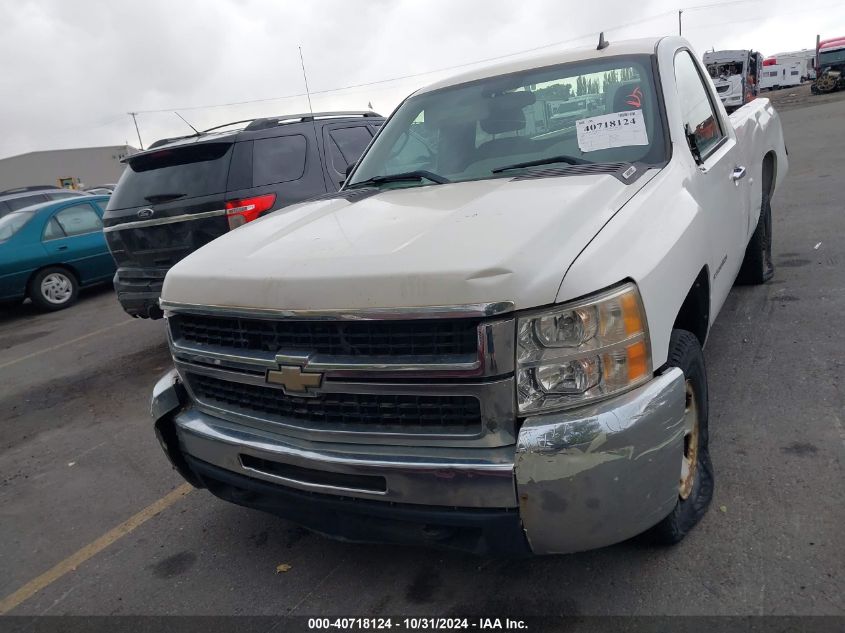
x: 490, y: 338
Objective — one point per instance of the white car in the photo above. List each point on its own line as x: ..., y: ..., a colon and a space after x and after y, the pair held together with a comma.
x: 490, y: 338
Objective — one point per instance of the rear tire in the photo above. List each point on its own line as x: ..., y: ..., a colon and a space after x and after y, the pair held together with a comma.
x: 54, y: 288
x: 757, y: 266
x: 695, y: 487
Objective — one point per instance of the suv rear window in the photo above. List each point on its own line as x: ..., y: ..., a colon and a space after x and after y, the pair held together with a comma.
x: 185, y: 172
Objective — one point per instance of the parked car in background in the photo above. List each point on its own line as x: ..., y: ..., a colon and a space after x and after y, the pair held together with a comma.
x: 104, y: 190
x: 28, y: 188
x: 182, y: 193
x: 14, y: 201
x: 50, y: 250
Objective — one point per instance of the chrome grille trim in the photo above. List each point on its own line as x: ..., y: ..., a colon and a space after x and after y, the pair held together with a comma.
x: 495, y: 357
x: 487, y: 375
x: 496, y: 399
x: 354, y: 314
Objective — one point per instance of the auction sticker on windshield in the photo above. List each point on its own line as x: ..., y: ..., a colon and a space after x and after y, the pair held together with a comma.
x: 619, y: 129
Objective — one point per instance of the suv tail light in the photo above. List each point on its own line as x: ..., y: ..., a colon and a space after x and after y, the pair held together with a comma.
x: 239, y: 212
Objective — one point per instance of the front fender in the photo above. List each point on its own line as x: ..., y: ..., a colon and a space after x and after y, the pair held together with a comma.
x: 660, y: 241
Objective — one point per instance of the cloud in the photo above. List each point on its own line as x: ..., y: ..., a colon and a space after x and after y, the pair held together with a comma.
x: 72, y: 70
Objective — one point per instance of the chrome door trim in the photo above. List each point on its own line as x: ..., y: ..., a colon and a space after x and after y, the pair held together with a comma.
x: 345, y: 314
x: 169, y: 220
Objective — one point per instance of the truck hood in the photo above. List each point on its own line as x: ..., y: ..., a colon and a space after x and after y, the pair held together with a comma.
x: 459, y: 243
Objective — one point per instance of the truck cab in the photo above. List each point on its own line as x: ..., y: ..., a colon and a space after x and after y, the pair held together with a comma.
x: 736, y: 75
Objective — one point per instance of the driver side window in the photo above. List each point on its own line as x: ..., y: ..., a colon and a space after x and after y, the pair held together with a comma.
x: 701, y: 123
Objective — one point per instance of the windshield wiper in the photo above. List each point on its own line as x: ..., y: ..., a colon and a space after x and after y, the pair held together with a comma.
x: 417, y: 174
x: 163, y: 197
x: 571, y: 160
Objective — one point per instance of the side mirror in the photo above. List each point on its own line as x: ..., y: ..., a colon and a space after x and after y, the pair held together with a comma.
x: 349, y: 168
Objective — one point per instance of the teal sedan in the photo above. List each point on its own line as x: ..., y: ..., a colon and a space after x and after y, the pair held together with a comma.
x: 50, y: 250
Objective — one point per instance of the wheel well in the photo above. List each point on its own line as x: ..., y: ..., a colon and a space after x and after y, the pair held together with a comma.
x: 70, y: 269
x: 769, y: 172
x: 694, y: 315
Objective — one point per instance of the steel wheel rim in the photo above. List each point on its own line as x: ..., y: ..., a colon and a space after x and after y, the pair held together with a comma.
x: 56, y: 288
x: 689, y: 458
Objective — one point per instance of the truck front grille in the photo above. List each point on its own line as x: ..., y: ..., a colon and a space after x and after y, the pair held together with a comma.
x: 383, y: 413
x: 435, y: 337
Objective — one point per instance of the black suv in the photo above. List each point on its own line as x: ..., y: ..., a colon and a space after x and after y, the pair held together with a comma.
x: 183, y: 192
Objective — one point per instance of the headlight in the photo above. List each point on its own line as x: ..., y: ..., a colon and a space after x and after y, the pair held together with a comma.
x: 583, y: 351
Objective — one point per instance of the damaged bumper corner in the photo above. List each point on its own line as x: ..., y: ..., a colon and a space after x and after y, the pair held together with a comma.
x: 168, y: 395
x: 599, y: 475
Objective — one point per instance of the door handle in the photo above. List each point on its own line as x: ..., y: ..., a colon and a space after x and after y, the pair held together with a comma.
x: 738, y: 173
x: 62, y: 248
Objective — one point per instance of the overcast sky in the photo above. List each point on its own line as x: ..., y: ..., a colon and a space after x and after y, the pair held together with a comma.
x: 71, y: 70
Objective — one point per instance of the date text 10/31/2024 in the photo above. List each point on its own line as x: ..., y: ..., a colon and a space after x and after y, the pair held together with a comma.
x: 413, y: 624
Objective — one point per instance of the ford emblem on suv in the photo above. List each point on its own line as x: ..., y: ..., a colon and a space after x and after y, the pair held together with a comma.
x: 145, y: 213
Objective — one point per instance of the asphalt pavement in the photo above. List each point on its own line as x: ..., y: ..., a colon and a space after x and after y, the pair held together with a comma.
x: 82, y: 477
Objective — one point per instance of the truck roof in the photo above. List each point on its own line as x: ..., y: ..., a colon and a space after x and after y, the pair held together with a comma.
x: 832, y: 44
x: 644, y: 46
x: 731, y: 55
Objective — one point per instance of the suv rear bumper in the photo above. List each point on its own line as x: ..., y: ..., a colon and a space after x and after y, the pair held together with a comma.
x: 576, y: 480
x: 139, y: 289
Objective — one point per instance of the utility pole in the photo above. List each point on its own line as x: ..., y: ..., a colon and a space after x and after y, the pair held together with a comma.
x: 680, y: 11
x: 135, y: 121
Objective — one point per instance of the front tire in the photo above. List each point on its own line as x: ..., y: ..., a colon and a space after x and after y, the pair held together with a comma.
x: 54, y: 288
x: 695, y: 484
x: 757, y: 266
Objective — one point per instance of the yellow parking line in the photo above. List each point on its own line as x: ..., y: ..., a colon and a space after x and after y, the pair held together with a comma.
x: 66, y: 343
x: 74, y: 560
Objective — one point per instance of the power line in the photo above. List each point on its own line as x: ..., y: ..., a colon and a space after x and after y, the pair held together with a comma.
x: 415, y: 75
x: 755, y: 18
x: 453, y: 67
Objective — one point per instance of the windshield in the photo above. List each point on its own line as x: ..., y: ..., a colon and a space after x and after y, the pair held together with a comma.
x: 724, y: 70
x: 832, y: 58
x: 586, y: 112
x: 14, y: 222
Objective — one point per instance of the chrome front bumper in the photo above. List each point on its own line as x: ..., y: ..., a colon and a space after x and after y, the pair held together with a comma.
x: 599, y: 475
x: 580, y: 479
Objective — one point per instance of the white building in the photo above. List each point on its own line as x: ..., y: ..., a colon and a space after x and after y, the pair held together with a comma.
x: 86, y: 165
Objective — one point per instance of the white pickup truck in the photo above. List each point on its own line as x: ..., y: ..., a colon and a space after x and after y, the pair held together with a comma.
x: 490, y: 338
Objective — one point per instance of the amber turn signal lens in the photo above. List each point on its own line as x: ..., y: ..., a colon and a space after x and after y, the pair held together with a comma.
x: 637, y: 361
x: 631, y: 313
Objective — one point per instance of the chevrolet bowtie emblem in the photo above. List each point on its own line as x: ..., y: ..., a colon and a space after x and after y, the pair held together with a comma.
x: 294, y: 380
